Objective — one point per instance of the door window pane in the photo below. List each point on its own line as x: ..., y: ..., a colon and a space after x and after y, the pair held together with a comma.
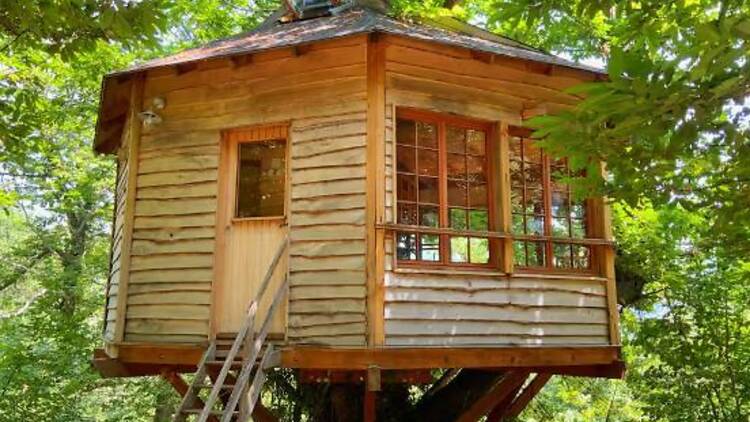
x: 261, y: 179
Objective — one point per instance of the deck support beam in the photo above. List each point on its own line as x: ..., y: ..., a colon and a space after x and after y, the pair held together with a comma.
x: 496, y: 395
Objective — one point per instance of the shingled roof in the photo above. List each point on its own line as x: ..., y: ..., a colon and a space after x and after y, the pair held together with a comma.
x: 354, y: 21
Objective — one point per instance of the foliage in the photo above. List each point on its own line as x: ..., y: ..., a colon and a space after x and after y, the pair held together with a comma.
x: 670, y: 122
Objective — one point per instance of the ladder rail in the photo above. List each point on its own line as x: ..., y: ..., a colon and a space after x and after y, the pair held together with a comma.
x: 247, y: 366
x: 189, y: 398
x: 247, y: 326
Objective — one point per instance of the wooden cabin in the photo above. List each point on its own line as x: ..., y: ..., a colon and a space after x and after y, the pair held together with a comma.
x: 339, y: 190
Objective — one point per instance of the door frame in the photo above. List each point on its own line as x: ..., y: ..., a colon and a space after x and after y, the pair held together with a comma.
x: 227, y: 181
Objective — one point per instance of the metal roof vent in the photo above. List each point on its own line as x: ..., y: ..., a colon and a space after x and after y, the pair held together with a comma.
x: 307, y: 9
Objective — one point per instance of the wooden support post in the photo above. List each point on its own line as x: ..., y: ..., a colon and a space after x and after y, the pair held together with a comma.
x: 373, y: 379
x: 503, y: 217
x: 496, y: 414
x: 370, y: 406
x: 133, y: 131
x: 175, y: 380
x: 510, y: 382
x: 375, y: 190
x: 525, y: 397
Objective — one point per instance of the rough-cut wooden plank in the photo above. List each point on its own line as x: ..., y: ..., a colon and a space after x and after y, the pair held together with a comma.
x: 326, y: 307
x: 160, y: 222
x: 178, y: 162
x: 479, y: 282
x: 166, y: 338
x: 312, y: 175
x: 496, y: 297
x: 450, y: 312
x: 335, y: 277
x: 358, y: 340
x: 327, y: 248
x: 356, y: 262
x: 150, y: 247
x: 177, y: 178
x: 163, y: 262
x: 160, y: 141
x: 302, y: 321
x: 338, y: 187
x: 348, y: 329
x: 166, y: 326
x: 196, y: 275
x: 330, y: 232
x: 331, y: 203
x: 490, y: 328
x: 456, y: 340
x: 174, y: 234
x: 355, y: 216
x: 344, y: 158
x: 327, y: 292
x: 174, y: 207
x: 459, y: 106
x: 181, y: 312
x: 168, y: 287
x: 185, y: 190
x: 333, y: 144
x: 170, y: 298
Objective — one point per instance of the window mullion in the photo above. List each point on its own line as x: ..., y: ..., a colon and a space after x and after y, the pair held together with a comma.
x: 547, y: 196
x: 443, y: 194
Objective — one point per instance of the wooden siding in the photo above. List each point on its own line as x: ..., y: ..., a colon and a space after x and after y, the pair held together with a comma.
x: 113, y: 282
x: 424, y: 309
x: 468, y: 308
x: 321, y: 92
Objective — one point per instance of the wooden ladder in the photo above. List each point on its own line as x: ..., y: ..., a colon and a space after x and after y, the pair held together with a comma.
x: 233, y: 395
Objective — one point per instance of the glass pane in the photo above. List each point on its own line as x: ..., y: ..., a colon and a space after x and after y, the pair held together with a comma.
x: 581, y: 257
x: 428, y: 216
x: 427, y: 163
x: 456, y: 166
x: 535, y: 252
x: 534, y: 201
x: 407, y: 188
x: 531, y: 154
x: 578, y: 228
x: 479, y: 250
x: 562, y: 255
x: 560, y: 227
x: 456, y: 140
x: 406, y: 246
x: 405, y: 159
x: 516, y: 201
x: 578, y: 210
x: 429, y: 247
x: 428, y: 190
x: 516, y: 174
x: 519, y: 253
x: 476, y: 169
x: 405, y: 132
x: 407, y: 214
x: 459, y: 249
x: 515, y: 148
x: 535, y: 225
x: 533, y: 175
x: 478, y: 196
x: 261, y: 174
x: 476, y: 143
x: 560, y: 204
x: 457, y: 217
x: 478, y: 220
x: 426, y: 135
x: 518, y: 224
x: 457, y: 193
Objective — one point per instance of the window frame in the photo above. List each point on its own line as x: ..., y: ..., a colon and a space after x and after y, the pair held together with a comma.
x: 441, y: 121
x: 547, y: 238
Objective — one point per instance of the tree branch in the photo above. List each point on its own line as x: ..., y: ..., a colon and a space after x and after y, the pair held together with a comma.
x: 20, y: 311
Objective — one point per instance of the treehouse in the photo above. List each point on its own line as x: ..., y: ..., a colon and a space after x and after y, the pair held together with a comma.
x: 355, y: 197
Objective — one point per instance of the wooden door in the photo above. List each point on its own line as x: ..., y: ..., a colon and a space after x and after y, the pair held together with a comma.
x: 251, y: 224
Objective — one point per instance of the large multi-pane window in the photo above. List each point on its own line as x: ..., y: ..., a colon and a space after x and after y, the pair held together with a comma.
x: 442, y: 182
x: 545, y: 214
x: 444, y: 196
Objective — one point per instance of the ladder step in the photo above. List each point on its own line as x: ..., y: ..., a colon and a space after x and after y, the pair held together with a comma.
x: 223, y: 387
x: 213, y: 412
